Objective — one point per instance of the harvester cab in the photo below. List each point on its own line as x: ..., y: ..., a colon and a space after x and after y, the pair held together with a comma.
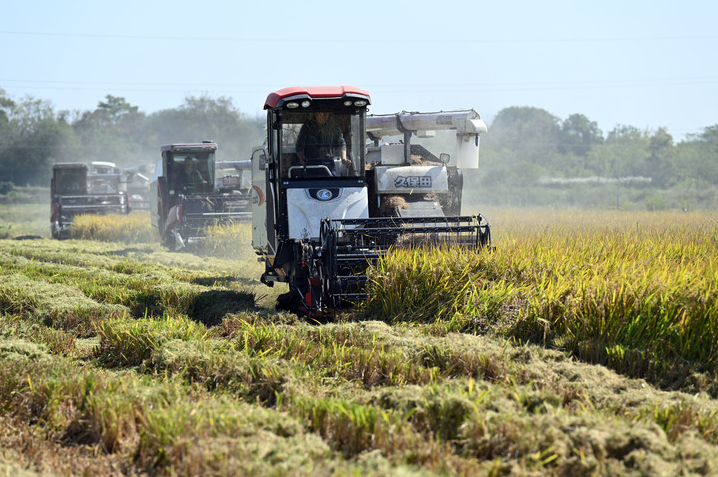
x: 184, y: 199
x: 315, y: 160
x: 315, y: 202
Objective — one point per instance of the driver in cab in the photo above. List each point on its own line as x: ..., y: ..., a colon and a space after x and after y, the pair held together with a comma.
x: 192, y: 175
x: 319, y: 141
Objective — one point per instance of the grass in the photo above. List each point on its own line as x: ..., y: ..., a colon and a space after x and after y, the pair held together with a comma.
x: 23, y: 220
x: 121, y: 358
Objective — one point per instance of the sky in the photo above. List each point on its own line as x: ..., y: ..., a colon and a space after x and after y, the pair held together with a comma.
x: 647, y: 64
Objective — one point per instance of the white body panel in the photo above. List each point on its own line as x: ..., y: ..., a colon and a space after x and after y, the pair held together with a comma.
x: 467, y: 124
x: 259, y: 201
x: 305, y: 213
x: 405, y: 179
x: 467, y: 150
x: 392, y: 154
x: 154, y: 197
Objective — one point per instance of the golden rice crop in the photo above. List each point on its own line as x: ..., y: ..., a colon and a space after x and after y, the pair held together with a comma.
x: 221, y: 240
x: 228, y: 240
x: 131, y: 228
x: 643, y: 282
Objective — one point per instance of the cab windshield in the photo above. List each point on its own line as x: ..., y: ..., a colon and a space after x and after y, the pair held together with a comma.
x: 191, y: 173
x: 71, y: 181
x: 316, y: 144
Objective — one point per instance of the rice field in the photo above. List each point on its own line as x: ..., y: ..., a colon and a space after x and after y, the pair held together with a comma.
x: 583, y: 343
x: 635, y: 291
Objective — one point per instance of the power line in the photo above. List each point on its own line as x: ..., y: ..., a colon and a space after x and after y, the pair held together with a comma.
x: 265, y: 40
x: 427, y: 87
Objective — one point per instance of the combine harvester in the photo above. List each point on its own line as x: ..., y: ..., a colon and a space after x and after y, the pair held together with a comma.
x: 186, y: 199
x: 98, y: 188
x: 138, y: 186
x: 322, y: 212
x: 77, y: 188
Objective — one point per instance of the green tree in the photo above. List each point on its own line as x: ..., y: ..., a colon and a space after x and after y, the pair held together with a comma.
x: 626, y: 148
x: 661, y: 157
x: 6, y: 107
x: 204, y: 118
x: 578, y: 135
x: 526, y: 129
x: 519, y: 147
x: 115, y: 131
x: 31, y: 140
x: 697, y: 158
x: 709, y: 136
x: 624, y: 134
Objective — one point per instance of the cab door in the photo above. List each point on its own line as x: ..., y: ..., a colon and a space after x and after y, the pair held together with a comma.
x: 259, y: 200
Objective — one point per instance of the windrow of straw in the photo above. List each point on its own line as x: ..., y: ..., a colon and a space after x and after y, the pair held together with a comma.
x: 157, y: 426
x: 140, y: 288
x: 400, y: 421
x: 535, y: 419
x: 55, y: 305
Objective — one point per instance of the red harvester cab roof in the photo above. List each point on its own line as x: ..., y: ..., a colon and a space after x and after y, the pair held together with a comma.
x: 70, y: 165
x: 275, y: 98
x: 190, y: 146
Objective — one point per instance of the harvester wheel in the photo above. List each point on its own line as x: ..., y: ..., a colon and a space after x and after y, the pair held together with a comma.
x: 169, y: 242
x: 286, y: 302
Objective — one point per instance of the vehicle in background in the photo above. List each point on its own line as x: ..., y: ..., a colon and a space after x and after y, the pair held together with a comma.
x: 78, y: 188
x: 138, y: 185
x: 186, y: 198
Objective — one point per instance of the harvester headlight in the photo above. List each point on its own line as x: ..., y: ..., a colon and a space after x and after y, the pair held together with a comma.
x: 347, y: 103
x: 360, y: 103
x: 305, y: 103
x: 292, y: 105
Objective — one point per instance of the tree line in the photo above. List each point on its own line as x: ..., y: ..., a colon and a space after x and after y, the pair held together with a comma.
x: 528, y: 157
x: 531, y: 157
x: 33, y: 135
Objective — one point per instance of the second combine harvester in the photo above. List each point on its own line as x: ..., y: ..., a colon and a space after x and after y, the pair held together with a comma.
x: 186, y: 198
x: 331, y: 195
